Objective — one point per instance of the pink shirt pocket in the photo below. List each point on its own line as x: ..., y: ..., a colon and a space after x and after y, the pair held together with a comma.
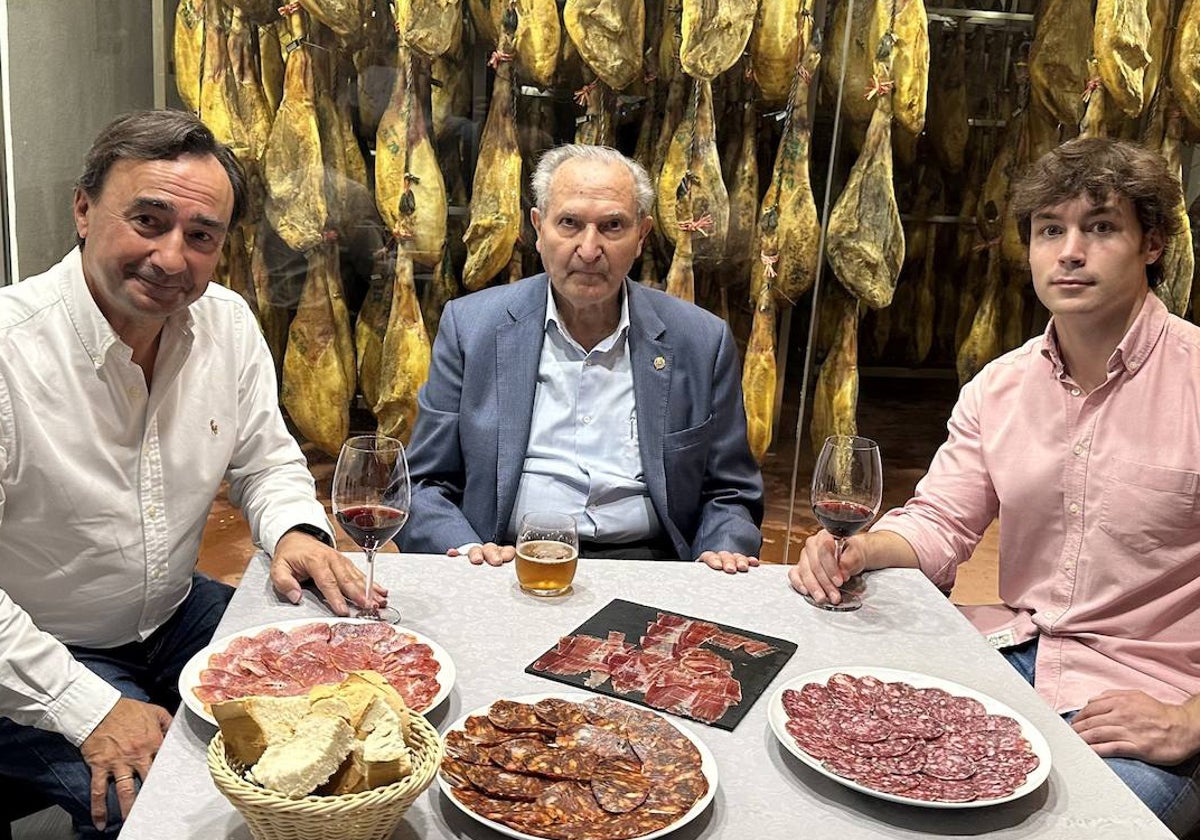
x: 1146, y: 507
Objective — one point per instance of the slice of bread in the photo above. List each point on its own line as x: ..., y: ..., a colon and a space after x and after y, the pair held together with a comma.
x: 380, y: 758
x: 251, y: 724
x: 336, y: 739
x: 384, y: 690
x: 348, y: 700
x: 301, y: 764
x: 385, y: 754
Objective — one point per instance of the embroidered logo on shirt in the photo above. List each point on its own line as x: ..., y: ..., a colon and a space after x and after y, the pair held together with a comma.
x: 212, y: 424
x: 659, y: 363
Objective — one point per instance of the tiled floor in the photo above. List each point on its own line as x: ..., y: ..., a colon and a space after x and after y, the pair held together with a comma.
x: 906, y: 416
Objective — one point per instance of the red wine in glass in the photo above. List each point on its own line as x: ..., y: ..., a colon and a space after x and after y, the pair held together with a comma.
x: 370, y: 499
x: 847, y: 489
x: 371, y: 525
x: 842, y: 519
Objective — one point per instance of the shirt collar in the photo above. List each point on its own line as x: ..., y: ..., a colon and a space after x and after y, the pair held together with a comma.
x: 1133, y: 350
x: 94, y: 331
x: 552, y: 317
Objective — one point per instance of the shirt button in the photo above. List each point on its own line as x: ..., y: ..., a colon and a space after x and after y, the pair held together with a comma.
x: 152, y: 511
x: 1068, y: 565
x: 1078, y: 449
x: 1074, y: 508
x: 1133, y: 365
x: 1075, y: 392
x: 132, y: 391
x: 587, y: 419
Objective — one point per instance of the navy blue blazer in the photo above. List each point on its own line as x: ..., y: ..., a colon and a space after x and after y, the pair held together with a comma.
x: 468, y: 448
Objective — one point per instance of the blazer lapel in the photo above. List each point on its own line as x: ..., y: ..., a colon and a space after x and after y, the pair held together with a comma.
x: 653, y: 362
x: 518, y: 349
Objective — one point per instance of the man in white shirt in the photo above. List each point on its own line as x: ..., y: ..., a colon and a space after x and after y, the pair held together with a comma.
x: 130, y: 388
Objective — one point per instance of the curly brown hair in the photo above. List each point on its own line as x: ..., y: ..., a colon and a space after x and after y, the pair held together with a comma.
x: 1100, y: 167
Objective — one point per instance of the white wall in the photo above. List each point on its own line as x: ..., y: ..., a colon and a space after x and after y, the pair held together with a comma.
x: 69, y: 66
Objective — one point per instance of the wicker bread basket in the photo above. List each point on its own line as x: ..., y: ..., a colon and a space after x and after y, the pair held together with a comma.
x: 370, y: 815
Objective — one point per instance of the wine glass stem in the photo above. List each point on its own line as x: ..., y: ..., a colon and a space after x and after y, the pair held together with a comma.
x: 369, y: 594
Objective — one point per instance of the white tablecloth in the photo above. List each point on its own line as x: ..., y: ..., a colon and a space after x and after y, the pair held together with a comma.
x: 492, y: 631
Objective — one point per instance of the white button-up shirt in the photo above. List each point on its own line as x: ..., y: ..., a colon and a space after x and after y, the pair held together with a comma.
x: 105, y: 487
x: 583, y: 456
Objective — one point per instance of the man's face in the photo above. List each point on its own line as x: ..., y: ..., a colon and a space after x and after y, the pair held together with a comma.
x: 591, y: 233
x: 154, y: 235
x: 1089, y: 260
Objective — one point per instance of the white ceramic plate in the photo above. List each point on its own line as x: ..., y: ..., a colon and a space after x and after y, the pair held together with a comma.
x: 189, y: 677
x: 778, y: 718
x: 708, y: 766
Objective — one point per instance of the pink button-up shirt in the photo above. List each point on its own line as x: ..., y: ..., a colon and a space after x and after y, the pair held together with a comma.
x: 1099, y: 503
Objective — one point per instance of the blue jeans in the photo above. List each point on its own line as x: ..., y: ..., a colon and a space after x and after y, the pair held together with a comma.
x: 1170, y: 792
x: 146, y: 671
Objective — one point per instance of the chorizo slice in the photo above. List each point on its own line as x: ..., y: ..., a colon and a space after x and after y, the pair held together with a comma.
x: 619, y: 790
x: 504, y: 785
x: 558, y: 713
x: 512, y: 755
x: 577, y: 765
x: 460, y: 747
x: 517, y: 717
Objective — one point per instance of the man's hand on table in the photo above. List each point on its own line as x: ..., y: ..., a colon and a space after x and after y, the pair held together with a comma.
x: 122, y: 748
x: 729, y: 562
x: 1132, y: 724
x: 497, y: 555
x: 490, y: 553
x: 818, y: 574
x: 300, y: 557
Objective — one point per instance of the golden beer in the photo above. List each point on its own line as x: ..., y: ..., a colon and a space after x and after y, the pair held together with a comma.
x: 546, y: 567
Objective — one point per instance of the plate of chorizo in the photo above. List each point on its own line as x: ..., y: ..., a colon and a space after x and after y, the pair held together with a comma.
x: 576, y: 766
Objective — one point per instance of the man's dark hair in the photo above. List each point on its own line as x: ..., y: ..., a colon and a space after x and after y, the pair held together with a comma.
x: 1100, y: 167
x: 159, y: 135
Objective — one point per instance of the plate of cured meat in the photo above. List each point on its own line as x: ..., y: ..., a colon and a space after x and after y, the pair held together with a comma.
x: 576, y: 766
x: 675, y: 663
x: 909, y: 737
x: 290, y: 657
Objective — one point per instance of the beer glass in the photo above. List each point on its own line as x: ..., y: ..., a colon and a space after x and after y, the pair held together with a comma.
x: 547, y: 553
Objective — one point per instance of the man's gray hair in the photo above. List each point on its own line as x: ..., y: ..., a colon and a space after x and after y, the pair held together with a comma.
x: 643, y: 192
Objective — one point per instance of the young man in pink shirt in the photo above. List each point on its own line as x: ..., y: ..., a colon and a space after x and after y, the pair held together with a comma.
x: 1085, y: 442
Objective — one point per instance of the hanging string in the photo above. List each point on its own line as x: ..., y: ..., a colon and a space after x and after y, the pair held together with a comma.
x: 799, y: 73
x: 689, y: 174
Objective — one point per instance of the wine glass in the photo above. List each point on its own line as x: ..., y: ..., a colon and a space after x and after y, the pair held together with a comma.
x: 547, y: 553
x: 370, y: 499
x: 847, y: 489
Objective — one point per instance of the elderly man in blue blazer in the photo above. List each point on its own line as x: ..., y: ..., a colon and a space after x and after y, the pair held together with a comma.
x: 582, y: 392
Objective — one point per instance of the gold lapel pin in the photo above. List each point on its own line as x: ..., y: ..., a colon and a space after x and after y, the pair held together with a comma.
x: 659, y: 363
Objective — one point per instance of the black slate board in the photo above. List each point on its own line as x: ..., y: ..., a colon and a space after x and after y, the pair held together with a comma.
x: 754, y: 673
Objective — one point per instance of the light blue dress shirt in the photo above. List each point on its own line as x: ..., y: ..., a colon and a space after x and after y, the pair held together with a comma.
x: 583, y: 455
